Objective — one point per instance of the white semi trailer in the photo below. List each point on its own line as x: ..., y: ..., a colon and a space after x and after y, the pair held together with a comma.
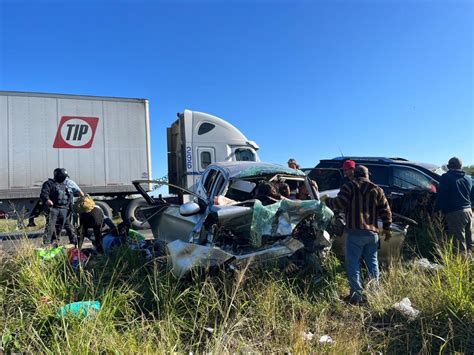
x: 104, y: 144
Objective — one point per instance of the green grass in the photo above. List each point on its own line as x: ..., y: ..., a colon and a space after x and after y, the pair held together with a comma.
x: 146, y: 310
x: 11, y: 225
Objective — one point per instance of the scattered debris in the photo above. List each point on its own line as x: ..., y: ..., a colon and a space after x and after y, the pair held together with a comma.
x: 110, y: 242
x: 426, y: 264
x: 135, y: 237
x: 326, y: 339
x: 80, y: 309
x: 47, y: 254
x: 307, y: 336
x: 77, y: 258
x: 405, y: 308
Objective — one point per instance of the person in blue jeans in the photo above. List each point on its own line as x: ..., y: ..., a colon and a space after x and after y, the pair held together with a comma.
x: 364, y: 203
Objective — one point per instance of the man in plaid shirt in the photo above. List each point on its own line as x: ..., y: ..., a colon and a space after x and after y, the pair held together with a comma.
x: 363, y: 203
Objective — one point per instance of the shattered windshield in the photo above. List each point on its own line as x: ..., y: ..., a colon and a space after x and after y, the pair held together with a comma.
x: 246, y: 189
x: 256, y: 171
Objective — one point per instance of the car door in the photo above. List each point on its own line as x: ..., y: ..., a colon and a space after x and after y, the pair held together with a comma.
x: 413, y: 190
x: 174, y: 225
x: 171, y: 225
x: 407, y: 178
x: 206, y: 156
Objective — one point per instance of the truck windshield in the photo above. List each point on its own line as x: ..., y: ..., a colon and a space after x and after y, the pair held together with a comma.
x: 244, y: 154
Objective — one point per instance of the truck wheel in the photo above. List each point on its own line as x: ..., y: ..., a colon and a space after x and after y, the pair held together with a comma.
x: 105, y: 208
x: 133, y: 210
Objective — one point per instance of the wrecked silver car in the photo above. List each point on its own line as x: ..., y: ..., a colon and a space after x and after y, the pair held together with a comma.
x: 235, y: 215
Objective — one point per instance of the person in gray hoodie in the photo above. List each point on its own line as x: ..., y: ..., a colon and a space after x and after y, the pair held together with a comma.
x: 454, y: 200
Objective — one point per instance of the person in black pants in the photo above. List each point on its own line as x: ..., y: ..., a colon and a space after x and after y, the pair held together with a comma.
x: 94, y: 219
x: 56, y: 195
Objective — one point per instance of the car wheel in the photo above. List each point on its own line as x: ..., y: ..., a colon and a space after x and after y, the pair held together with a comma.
x: 133, y: 211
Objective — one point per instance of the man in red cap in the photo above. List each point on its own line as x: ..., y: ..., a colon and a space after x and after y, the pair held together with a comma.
x: 348, y: 168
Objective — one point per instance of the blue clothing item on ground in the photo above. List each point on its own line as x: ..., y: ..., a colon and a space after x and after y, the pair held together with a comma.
x: 361, y: 243
x: 455, y: 192
x: 110, y: 242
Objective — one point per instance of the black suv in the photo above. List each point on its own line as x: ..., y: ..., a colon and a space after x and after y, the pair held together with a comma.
x: 407, y: 184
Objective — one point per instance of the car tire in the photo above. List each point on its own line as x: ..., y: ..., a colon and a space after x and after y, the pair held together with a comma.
x: 133, y: 210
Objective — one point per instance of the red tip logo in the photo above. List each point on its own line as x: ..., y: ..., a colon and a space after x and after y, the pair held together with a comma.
x: 76, y: 132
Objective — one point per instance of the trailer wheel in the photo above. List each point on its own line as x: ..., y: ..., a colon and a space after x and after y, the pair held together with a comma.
x: 133, y: 210
x: 105, y: 208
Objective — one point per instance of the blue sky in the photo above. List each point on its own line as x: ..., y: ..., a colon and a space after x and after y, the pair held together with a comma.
x: 303, y: 79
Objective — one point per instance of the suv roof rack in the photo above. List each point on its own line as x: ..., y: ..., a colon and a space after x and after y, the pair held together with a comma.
x: 379, y: 159
x: 398, y: 158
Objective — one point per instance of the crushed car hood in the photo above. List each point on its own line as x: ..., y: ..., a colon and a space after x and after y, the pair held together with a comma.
x: 278, y: 219
x: 185, y: 257
x: 281, y: 218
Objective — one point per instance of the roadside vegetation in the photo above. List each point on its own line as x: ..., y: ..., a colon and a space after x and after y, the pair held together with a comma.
x: 11, y: 225
x: 146, y: 310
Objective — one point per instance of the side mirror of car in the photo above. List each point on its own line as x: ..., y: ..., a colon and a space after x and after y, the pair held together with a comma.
x: 189, y: 209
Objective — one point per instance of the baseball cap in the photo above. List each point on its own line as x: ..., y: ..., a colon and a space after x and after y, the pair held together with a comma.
x: 349, y: 164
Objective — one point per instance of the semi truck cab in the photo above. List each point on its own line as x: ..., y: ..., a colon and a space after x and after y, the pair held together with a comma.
x: 196, y: 140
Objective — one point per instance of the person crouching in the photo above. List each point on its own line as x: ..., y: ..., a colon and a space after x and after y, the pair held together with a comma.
x: 91, y: 217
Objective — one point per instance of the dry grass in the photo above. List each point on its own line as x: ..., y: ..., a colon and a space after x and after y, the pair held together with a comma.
x: 146, y: 310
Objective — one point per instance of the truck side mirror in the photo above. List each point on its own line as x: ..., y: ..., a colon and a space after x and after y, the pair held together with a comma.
x: 189, y: 209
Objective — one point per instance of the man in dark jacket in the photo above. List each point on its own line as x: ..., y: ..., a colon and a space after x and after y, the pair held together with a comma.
x: 364, y: 203
x: 56, y: 195
x: 454, y: 200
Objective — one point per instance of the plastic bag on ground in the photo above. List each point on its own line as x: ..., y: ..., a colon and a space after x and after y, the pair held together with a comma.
x: 80, y: 309
x: 426, y: 264
x: 47, y: 254
x: 325, y: 339
x: 308, y: 336
x: 135, y: 237
x: 405, y: 308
